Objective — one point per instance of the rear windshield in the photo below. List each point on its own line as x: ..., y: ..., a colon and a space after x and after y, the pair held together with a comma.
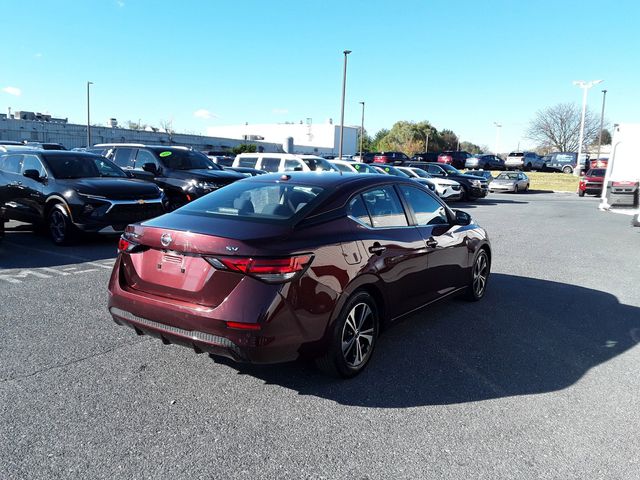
x: 81, y: 166
x: 516, y: 154
x: 507, y: 176
x: 185, y: 160
x: 255, y: 201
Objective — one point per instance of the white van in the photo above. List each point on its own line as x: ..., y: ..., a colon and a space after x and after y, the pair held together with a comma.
x: 283, y: 162
x: 620, y: 193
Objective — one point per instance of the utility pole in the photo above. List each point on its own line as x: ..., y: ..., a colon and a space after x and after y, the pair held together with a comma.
x: 604, y: 97
x: 88, y: 117
x: 361, y: 130
x: 585, y: 86
x: 344, y: 86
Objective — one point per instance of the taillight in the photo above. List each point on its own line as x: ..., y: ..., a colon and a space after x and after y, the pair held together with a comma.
x: 270, y: 270
x: 125, y: 245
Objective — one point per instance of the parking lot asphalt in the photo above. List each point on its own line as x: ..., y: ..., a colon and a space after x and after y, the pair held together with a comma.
x: 538, y: 380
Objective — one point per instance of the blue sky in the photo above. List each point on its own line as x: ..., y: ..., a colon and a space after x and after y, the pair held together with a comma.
x: 459, y: 64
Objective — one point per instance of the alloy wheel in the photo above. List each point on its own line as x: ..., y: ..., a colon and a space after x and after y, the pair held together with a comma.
x: 57, y: 226
x: 358, y: 335
x: 480, y: 273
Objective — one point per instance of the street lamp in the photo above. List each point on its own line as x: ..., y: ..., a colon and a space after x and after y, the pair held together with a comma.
x: 585, y: 86
x: 361, y: 130
x: 88, y: 117
x: 604, y: 97
x: 344, y: 86
x: 498, y: 127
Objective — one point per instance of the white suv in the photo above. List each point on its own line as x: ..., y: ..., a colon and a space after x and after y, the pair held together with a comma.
x: 283, y: 162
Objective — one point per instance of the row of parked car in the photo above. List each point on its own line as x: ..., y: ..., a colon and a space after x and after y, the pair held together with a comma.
x: 565, y: 162
x: 108, y: 186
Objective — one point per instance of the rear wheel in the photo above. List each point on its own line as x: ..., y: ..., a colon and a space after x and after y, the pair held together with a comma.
x: 567, y: 169
x: 515, y: 189
x: 353, y: 338
x: 61, y: 229
x: 479, y: 277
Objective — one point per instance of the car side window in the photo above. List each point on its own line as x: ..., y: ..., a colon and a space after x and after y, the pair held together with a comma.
x: 143, y: 157
x: 122, y: 158
x: 384, y: 207
x: 270, y: 164
x: 11, y: 163
x: 248, y: 162
x: 434, y: 169
x: 427, y: 210
x: 290, y: 165
x: 358, y: 210
x: 32, y: 162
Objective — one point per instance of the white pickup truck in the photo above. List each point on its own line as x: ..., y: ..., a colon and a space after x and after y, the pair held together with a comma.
x: 622, y: 180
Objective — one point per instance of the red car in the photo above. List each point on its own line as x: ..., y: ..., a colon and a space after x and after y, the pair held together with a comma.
x: 592, y: 182
x: 275, y: 267
x: 398, y: 158
x: 456, y: 159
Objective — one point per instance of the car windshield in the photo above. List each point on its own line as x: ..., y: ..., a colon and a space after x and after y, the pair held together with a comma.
x: 596, y: 172
x: 319, y: 165
x: 179, y: 159
x: 394, y: 171
x: 450, y: 170
x: 364, y: 168
x: 420, y: 173
x: 507, y: 176
x: 75, y: 165
x: 255, y: 201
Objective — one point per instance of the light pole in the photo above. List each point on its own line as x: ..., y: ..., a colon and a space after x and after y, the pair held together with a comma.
x: 604, y: 97
x: 585, y: 86
x: 344, y: 86
x: 497, y: 147
x: 88, y: 117
x: 361, y: 130
x: 426, y: 142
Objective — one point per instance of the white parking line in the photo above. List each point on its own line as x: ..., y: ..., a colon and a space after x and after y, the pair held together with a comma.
x: 49, y: 272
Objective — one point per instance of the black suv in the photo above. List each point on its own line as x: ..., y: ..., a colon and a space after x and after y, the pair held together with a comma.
x: 73, y: 191
x: 473, y: 187
x: 183, y: 173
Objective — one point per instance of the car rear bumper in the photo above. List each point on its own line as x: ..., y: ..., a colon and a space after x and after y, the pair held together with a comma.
x: 204, y: 329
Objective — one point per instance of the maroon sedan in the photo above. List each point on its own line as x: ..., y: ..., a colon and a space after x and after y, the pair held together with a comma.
x: 275, y: 267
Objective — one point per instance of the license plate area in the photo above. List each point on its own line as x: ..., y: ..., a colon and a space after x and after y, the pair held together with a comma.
x: 172, y: 263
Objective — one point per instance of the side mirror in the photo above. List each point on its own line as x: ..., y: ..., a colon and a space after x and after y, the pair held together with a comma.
x: 462, y: 218
x: 32, y: 174
x: 150, y: 167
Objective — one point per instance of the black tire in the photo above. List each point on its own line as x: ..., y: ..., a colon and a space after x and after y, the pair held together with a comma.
x: 347, y: 359
x: 529, y: 167
x: 581, y: 193
x: 465, y: 194
x: 515, y: 189
x: 59, y: 225
x: 567, y: 169
x: 481, y: 267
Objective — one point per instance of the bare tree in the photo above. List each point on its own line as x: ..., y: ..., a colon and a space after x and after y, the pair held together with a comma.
x: 167, y: 126
x: 558, y: 127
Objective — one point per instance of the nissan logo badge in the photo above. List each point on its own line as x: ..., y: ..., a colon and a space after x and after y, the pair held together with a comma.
x: 166, y: 239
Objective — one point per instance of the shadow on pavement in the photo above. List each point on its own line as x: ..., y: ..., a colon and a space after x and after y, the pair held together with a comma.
x: 527, y: 336
x: 24, y: 248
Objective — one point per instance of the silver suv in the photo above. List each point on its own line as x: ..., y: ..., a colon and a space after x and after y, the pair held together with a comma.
x: 523, y: 161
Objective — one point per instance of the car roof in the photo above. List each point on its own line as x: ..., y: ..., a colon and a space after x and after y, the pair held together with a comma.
x: 166, y: 147
x: 330, y: 179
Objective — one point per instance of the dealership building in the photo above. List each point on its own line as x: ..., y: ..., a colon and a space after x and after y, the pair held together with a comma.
x: 304, y: 137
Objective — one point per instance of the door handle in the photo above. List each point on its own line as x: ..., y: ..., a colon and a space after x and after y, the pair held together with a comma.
x: 377, y: 249
x: 432, y: 243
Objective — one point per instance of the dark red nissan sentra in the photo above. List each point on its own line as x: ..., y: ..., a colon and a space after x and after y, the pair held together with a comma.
x: 275, y: 267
